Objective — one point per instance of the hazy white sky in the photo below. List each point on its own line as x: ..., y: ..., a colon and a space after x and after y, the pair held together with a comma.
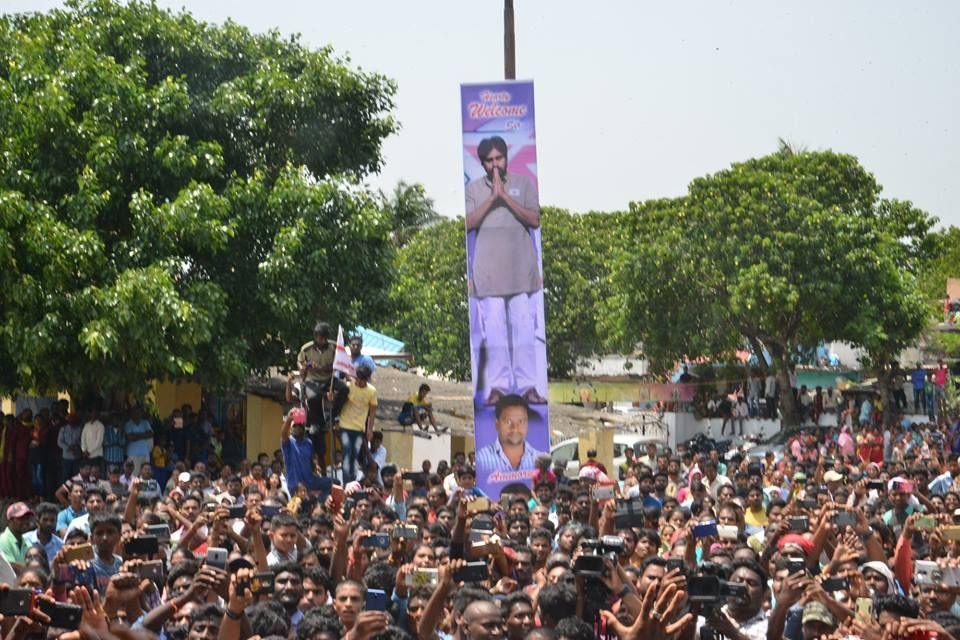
x: 634, y: 99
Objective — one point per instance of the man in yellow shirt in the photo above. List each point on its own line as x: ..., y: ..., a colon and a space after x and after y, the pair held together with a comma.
x: 356, y: 420
x: 755, y: 515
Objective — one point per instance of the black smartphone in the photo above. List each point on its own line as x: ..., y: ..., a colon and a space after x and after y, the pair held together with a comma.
x: 799, y: 524
x: 376, y: 600
x: 142, y: 546
x: 159, y: 531
x: 16, y: 602
x: 472, y: 572
x: 415, y: 477
x: 62, y: 615
x: 835, y: 584
x: 845, y: 519
x: 877, y: 485
x: 377, y: 541
x: 406, y: 531
x: 795, y: 566
x: 262, y: 583
x: 268, y: 511
x: 152, y: 570
x: 237, y: 511
x: 675, y: 564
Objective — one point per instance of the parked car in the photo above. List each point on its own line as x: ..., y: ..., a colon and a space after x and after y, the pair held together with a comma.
x: 568, y: 451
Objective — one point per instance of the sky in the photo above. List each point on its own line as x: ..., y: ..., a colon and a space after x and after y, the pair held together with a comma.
x: 635, y: 99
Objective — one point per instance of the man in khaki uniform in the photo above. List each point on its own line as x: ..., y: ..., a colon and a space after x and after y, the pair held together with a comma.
x: 315, y: 361
x: 502, y: 208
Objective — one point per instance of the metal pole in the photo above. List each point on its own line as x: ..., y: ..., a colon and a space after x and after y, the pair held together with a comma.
x: 509, y: 42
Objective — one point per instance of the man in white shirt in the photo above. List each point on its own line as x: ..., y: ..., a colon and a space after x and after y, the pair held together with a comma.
x: 378, y: 453
x: 712, y: 479
x: 91, y: 440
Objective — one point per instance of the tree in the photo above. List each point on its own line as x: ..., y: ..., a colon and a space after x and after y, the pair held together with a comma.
x: 429, y: 299
x: 897, y: 313
x: 943, y: 263
x: 576, y: 263
x: 410, y: 209
x: 431, y: 309
x: 776, y: 254
x: 179, y: 198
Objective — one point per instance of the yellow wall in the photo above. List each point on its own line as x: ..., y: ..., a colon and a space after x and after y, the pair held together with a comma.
x: 264, y: 418
x: 168, y: 395
x: 400, y: 447
x: 599, y: 439
x: 462, y: 444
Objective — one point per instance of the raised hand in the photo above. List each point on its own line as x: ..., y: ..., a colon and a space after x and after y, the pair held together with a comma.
x: 656, y: 614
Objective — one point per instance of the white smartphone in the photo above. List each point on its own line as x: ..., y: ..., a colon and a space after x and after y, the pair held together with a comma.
x: 727, y: 531
x: 603, y: 492
x: 217, y: 557
x: 422, y: 577
x: 927, y: 572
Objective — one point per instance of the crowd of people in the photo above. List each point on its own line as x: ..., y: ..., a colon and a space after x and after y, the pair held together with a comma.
x: 848, y: 533
x: 759, y: 397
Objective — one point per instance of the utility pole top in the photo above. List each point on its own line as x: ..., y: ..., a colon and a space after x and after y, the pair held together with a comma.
x: 509, y: 42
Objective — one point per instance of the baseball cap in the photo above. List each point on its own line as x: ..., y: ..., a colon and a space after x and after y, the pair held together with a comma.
x: 818, y: 612
x: 18, y: 510
x: 589, y: 473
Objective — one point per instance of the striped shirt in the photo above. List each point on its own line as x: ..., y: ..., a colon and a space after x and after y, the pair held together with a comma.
x: 114, y: 445
x: 492, y: 458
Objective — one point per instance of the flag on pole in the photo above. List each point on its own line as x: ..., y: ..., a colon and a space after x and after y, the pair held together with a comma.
x: 342, y: 361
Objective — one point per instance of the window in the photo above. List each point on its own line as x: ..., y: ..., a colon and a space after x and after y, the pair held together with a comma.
x: 566, y: 452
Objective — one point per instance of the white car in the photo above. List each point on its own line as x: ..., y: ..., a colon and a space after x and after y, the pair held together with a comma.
x: 568, y: 451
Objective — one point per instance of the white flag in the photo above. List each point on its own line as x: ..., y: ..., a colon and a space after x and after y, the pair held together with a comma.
x: 342, y: 361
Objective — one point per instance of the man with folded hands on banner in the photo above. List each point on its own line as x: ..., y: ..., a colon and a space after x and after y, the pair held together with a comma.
x: 315, y: 363
x: 502, y: 208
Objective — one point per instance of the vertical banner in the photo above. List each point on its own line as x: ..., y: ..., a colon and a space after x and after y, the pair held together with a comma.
x: 504, y: 282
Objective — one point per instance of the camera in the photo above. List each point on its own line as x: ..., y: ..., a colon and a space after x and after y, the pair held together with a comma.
x: 711, y: 590
x: 593, y: 551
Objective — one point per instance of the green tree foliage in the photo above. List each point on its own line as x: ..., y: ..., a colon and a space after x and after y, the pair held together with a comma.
x: 775, y: 253
x: 943, y: 263
x: 178, y: 198
x: 576, y: 263
x: 430, y: 290
x: 429, y: 299
x: 410, y: 209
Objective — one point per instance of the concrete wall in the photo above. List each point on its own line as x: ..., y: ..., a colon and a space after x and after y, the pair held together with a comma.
x: 168, y: 395
x: 263, y: 419
x: 612, y: 365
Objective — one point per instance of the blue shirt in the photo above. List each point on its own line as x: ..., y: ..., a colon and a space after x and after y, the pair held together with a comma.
x: 138, y: 448
x: 298, y: 462
x: 104, y: 570
x: 65, y: 517
x: 364, y: 359
x: 492, y: 458
x: 52, y: 548
x: 918, y: 377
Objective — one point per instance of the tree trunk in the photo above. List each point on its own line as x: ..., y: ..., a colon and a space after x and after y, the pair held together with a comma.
x: 885, y: 383
x: 789, y: 408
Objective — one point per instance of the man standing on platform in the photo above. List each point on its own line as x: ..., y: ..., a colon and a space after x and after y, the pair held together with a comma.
x: 315, y: 361
x: 357, y: 357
